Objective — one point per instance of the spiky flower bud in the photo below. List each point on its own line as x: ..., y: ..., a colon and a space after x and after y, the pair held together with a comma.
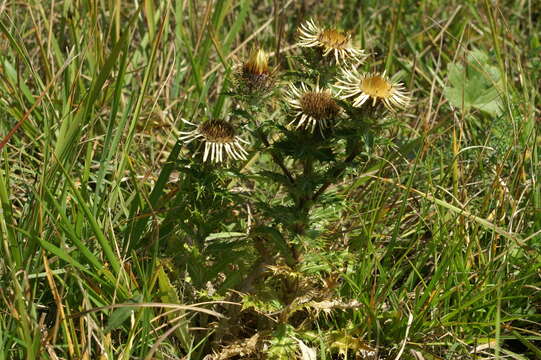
x: 254, y: 76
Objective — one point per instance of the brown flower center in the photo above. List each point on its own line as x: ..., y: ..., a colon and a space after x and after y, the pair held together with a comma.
x: 333, y: 39
x: 376, y: 86
x: 319, y: 105
x: 217, y: 131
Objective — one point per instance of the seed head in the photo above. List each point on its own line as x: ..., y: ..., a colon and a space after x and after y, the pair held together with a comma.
x: 217, y: 131
x: 312, y: 107
x: 319, y: 105
x: 217, y: 135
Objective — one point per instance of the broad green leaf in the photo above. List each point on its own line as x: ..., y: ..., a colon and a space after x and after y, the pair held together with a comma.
x: 475, y: 85
x: 120, y: 315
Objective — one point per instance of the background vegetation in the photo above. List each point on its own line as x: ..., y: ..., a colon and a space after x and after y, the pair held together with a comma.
x: 114, y: 246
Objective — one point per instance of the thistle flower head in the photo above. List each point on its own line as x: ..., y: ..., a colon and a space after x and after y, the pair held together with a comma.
x: 312, y: 106
x: 372, y: 86
x: 330, y: 41
x: 218, y: 136
x: 257, y: 63
x: 254, y: 75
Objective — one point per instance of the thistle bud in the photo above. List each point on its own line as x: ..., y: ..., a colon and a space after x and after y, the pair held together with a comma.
x: 254, y: 76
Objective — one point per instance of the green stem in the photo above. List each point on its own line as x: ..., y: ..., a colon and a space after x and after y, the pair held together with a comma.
x: 337, y: 171
x: 278, y: 160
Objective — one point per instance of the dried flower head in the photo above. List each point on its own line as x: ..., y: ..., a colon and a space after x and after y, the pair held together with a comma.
x: 374, y: 86
x: 217, y: 135
x: 254, y: 75
x: 330, y: 41
x: 312, y: 106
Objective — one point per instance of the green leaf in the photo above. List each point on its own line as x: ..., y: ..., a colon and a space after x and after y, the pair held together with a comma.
x: 283, y: 346
x: 121, y: 314
x: 474, y: 85
x: 169, y: 295
x: 225, y: 235
x: 118, y: 317
x: 274, y: 236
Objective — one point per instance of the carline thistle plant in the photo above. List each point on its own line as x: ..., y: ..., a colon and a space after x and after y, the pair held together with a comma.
x: 302, y: 164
